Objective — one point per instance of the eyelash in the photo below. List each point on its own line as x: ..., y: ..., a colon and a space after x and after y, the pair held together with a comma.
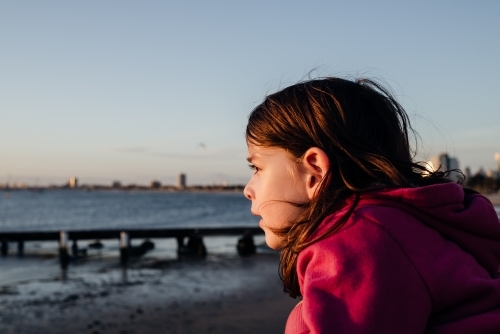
x: 253, y: 167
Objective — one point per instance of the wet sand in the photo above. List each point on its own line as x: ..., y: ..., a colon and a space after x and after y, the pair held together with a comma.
x: 221, y: 294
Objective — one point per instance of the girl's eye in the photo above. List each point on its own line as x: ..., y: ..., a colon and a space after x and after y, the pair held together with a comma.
x: 253, y: 167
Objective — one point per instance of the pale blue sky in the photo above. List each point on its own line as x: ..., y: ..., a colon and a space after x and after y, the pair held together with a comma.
x: 127, y: 90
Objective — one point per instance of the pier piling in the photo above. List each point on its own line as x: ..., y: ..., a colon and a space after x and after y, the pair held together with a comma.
x: 246, y: 245
x: 124, y: 247
x: 194, y: 247
x: 180, y: 242
x: 63, y: 250
x: 74, y: 248
x: 20, y: 247
x: 5, y: 247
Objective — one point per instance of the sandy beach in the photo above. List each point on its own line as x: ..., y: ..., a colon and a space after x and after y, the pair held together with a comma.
x: 220, y: 294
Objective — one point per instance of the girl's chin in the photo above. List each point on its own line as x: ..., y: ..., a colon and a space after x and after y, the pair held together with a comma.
x: 272, y: 240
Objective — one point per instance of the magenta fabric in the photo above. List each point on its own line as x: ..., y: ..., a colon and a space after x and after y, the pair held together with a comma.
x: 409, y: 260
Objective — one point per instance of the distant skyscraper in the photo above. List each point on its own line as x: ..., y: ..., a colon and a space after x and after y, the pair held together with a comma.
x: 181, y: 181
x: 496, y: 173
x: 73, y: 182
x: 444, y: 162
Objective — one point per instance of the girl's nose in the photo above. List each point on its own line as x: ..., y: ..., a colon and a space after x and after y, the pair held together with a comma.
x: 247, y: 192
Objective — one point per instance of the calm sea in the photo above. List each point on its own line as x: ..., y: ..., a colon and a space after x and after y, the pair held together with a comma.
x: 78, y: 209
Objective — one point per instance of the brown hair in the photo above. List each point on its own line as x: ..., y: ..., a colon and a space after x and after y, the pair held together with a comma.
x: 365, y: 134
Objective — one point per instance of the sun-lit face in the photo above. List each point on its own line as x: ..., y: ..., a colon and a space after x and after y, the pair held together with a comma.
x: 277, y: 179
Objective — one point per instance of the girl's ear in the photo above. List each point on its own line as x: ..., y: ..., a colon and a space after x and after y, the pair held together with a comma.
x: 316, y: 164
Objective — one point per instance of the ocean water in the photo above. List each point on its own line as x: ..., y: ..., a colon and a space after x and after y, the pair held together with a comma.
x: 78, y: 209
x: 54, y: 210
x: 84, y: 210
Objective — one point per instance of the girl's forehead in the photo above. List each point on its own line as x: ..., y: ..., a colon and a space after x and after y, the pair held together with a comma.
x: 258, y: 150
x: 256, y: 153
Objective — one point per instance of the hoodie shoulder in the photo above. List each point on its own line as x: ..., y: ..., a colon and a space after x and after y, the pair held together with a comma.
x: 469, y: 221
x: 352, y: 279
x: 438, y: 256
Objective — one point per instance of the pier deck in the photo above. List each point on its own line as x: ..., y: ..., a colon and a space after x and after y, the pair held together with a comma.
x: 133, y: 233
x: 194, y: 246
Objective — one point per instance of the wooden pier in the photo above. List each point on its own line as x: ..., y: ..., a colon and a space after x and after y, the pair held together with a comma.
x: 193, y: 247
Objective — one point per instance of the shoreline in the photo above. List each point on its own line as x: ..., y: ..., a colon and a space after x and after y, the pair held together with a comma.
x: 168, y: 189
x: 221, y: 294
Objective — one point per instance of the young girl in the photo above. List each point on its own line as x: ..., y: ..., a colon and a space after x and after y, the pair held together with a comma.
x: 371, y: 241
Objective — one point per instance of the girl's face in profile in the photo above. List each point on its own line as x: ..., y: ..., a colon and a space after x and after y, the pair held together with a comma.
x: 277, y: 180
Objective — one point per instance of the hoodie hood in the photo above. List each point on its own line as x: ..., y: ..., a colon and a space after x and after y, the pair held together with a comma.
x: 469, y: 220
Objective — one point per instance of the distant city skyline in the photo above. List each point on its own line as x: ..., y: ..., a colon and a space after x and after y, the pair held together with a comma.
x: 437, y: 162
x: 134, y: 92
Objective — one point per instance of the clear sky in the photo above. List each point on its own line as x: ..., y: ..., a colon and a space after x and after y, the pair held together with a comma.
x: 142, y: 90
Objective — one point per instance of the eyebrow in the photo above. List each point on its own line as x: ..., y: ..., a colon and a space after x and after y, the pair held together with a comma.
x: 252, y: 157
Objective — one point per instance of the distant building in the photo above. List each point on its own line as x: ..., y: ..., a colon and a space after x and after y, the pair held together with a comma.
x: 73, y: 182
x: 181, y: 181
x: 468, y: 173
x: 493, y: 174
x: 443, y: 163
x: 116, y: 184
x: 154, y: 184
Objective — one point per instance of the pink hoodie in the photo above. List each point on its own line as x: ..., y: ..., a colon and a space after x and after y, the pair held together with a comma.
x: 409, y: 260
